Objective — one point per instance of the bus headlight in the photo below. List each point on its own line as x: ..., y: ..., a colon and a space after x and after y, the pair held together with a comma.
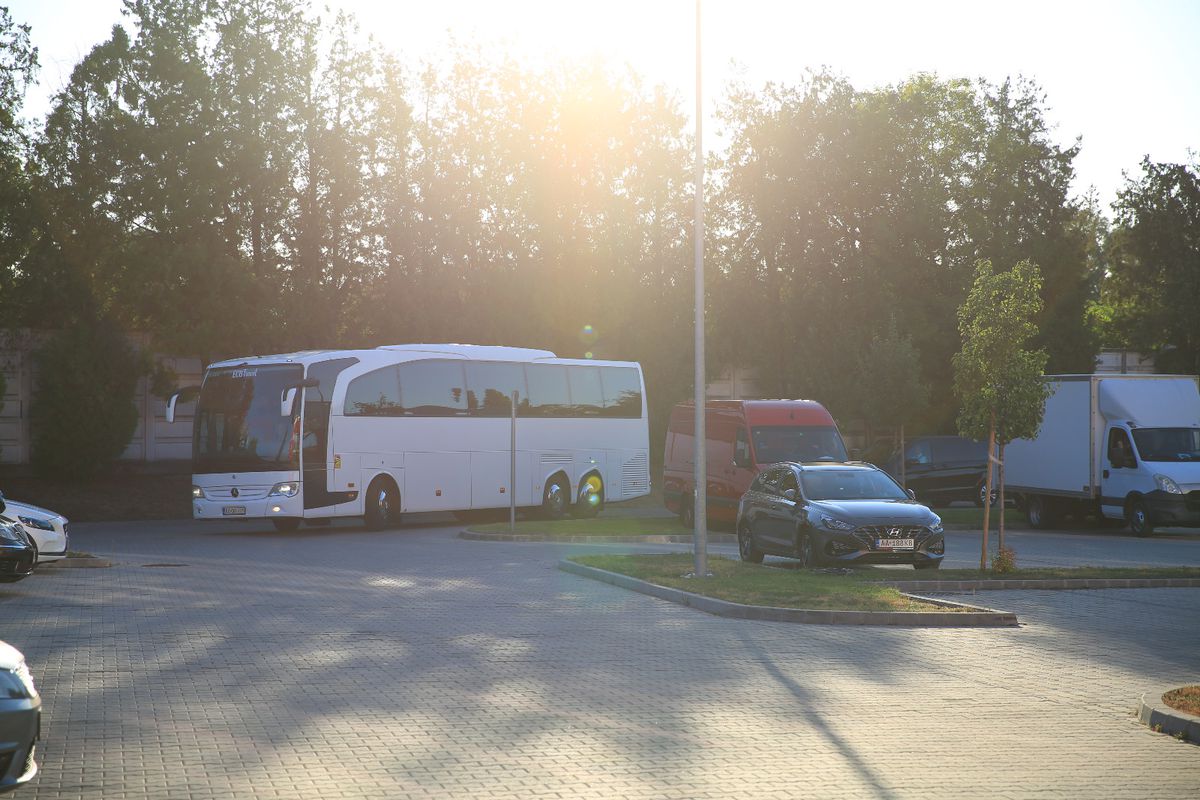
x: 287, y: 489
x: 197, y: 493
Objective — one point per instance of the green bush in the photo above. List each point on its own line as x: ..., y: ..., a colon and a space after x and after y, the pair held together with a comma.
x: 83, y: 414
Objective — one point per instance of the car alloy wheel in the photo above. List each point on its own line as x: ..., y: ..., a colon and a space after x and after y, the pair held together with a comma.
x: 746, y: 548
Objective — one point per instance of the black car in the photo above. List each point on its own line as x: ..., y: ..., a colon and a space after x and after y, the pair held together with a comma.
x: 18, y: 556
x: 823, y: 513
x: 942, y: 469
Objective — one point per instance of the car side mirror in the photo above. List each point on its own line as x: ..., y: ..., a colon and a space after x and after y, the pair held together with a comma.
x: 789, y: 494
x: 912, y: 494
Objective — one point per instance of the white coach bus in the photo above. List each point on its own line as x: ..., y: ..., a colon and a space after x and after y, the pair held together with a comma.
x: 406, y: 428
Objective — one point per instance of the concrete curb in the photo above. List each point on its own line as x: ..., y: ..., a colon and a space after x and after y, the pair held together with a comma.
x: 1160, y: 717
x: 671, y: 538
x: 1044, y: 583
x: 976, y: 618
x: 78, y: 563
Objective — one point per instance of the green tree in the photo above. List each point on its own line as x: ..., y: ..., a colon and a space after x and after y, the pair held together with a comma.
x: 891, y: 390
x: 1154, y: 275
x: 18, y: 66
x: 998, y: 381
x: 82, y: 415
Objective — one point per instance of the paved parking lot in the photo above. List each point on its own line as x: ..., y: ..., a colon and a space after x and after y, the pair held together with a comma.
x: 337, y: 662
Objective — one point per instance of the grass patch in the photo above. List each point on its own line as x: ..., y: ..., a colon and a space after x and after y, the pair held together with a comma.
x: 751, y: 584
x: 602, y: 526
x: 1038, y: 573
x: 1185, y: 699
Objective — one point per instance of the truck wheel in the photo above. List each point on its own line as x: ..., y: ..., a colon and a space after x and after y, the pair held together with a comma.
x: 1039, y: 512
x: 1139, y: 519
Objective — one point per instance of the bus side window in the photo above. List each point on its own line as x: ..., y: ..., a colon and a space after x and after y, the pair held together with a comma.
x: 587, y: 393
x: 432, y: 388
x: 490, y: 385
x: 375, y: 394
x: 622, y: 392
x: 548, y: 395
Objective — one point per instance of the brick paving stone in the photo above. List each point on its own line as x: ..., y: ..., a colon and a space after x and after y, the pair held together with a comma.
x: 412, y: 664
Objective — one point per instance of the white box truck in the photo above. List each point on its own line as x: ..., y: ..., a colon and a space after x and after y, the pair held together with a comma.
x: 1124, y: 447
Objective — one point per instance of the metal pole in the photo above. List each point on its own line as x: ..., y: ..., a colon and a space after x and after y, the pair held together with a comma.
x: 512, y: 470
x: 700, y: 533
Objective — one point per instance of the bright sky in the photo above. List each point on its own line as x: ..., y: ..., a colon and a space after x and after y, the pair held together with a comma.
x: 1124, y: 76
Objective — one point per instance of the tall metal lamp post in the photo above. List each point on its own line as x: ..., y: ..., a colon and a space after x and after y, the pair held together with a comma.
x: 700, y: 531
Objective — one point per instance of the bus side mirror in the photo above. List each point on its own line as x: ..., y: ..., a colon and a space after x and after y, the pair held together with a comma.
x: 181, y: 396
x: 286, y: 401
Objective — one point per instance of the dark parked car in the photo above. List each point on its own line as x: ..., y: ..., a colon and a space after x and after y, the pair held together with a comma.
x: 20, y: 720
x: 824, y: 513
x: 942, y: 469
x: 18, y: 556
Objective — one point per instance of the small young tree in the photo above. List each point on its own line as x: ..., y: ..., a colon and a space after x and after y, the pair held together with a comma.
x: 892, y: 392
x: 998, y: 382
x: 82, y: 413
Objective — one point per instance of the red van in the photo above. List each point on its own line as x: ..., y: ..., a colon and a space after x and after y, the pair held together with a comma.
x: 742, y: 437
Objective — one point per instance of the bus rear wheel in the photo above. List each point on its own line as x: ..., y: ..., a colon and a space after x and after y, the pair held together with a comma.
x: 383, y: 504
x: 591, y: 497
x: 556, y: 498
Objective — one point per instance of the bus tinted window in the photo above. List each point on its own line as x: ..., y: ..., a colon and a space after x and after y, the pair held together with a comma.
x: 490, y: 385
x: 376, y: 394
x: 622, y: 392
x: 548, y: 392
x: 587, y: 393
x: 432, y: 388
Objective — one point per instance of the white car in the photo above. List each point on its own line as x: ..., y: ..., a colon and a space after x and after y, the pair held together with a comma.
x: 20, y: 720
x: 47, y: 529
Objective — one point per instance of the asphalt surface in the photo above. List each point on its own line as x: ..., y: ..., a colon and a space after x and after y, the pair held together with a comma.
x: 232, y: 661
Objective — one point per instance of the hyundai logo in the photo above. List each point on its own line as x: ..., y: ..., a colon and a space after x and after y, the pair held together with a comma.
x: 234, y: 491
x: 895, y: 533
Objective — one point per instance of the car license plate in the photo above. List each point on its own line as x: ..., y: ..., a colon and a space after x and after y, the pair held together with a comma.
x: 234, y: 511
x: 894, y: 544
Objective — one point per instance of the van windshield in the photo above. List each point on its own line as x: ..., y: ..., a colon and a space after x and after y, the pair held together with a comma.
x: 1168, y: 444
x: 775, y: 443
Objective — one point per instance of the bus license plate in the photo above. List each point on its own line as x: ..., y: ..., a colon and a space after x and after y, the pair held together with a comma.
x: 894, y: 544
x: 234, y: 511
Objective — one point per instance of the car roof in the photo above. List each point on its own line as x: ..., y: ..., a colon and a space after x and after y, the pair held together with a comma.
x: 810, y: 466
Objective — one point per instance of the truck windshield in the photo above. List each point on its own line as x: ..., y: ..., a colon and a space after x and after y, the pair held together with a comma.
x: 238, y: 426
x: 1168, y: 444
x: 775, y: 443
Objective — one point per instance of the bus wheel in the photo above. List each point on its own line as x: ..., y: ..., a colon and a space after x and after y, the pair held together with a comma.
x: 285, y: 524
x: 556, y: 498
x: 591, y: 497
x: 383, y: 504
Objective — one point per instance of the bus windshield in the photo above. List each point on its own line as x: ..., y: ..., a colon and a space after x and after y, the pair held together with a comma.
x: 1168, y: 444
x: 238, y: 426
x: 775, y: 443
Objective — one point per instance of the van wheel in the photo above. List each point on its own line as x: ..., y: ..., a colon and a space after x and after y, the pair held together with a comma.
x: 981, y: 491
x: 591, y: 497
x: 383, y: 504
x: 1139, y: 519
x: 556, y: 498
x: 746, y: 549
x: 687, y: 512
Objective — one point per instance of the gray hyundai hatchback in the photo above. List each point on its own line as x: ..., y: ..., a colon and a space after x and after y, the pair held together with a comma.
x: 836, y: 513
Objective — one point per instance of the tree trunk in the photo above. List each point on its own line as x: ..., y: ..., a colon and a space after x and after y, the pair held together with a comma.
x: 987, y: 497
x: 1000, y: 501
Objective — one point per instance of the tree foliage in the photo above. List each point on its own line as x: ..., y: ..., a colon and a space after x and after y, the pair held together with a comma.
x: 1154, y: 280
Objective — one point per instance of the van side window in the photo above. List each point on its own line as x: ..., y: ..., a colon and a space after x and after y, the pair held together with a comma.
x: 741, y: 449
x: 1120, y: 454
